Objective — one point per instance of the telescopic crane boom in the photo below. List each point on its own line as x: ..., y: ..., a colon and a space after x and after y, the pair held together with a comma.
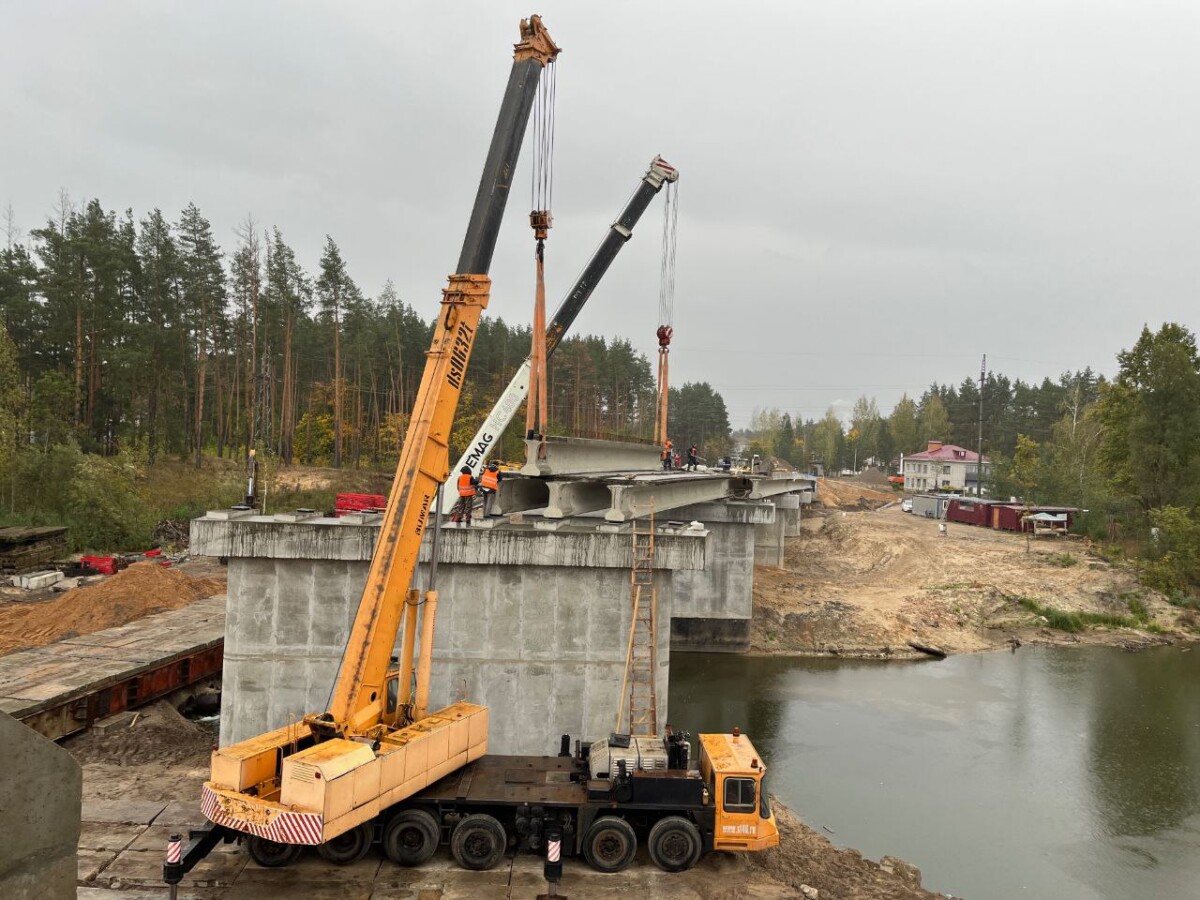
x: 332, y: 774
x: 619, y: 233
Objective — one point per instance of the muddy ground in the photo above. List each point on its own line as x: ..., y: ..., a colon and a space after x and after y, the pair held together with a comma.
x: 163, y: 758
x: 863, y: 582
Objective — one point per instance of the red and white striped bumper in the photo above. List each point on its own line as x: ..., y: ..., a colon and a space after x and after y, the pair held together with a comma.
x: 260, y: 817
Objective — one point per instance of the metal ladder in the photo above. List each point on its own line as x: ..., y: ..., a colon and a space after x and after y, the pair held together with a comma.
x: 641, y: 663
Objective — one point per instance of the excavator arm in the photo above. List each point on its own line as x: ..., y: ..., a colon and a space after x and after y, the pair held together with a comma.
x: 476, y: 454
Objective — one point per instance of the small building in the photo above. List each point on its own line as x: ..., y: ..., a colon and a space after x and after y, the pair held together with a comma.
x: 1011, y: 516
x: 931, y: 506
x: 944, y: 467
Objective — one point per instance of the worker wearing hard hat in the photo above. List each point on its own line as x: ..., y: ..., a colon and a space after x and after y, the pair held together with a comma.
x: 668, y: 455
x: 489, y: 485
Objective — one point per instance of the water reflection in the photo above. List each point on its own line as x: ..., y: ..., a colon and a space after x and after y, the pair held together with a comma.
x: 1055, y: 773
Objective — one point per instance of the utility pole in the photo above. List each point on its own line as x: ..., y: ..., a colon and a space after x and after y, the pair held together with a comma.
x: 979, y: 464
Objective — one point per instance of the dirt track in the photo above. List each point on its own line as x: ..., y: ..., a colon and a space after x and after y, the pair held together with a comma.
x: 864, y: 583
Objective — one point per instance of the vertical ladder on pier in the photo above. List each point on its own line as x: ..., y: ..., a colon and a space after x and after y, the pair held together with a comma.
x: 641, y: 660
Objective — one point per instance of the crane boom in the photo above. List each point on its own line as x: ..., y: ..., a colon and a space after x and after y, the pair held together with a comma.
x: 501, y: 415
x: 291, y: 786
x: 358, y: 692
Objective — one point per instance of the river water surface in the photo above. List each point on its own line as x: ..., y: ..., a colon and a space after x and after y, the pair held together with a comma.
x: 1070, y: 774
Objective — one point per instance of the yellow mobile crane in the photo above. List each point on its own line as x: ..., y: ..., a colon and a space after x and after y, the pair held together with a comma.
x: 332, y: 774
x: 377, y: 765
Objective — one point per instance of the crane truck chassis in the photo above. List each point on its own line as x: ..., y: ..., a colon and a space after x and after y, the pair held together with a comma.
x: 605, y: 797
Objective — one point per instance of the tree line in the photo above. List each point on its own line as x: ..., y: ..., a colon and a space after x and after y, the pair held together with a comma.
x: 1126, y: 451
x: 144, y: 334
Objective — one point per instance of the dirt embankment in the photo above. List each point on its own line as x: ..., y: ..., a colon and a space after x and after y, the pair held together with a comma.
x: 868, y: 583
x: 835, y: 493
x: 140, y: 590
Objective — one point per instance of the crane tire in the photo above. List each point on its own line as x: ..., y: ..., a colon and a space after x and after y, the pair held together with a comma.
x: 610, y: 844
x: 349, y: 847
x: 674, y: 844
x: 271, y: 854
x: 411, y: 837
x: 478, y: 842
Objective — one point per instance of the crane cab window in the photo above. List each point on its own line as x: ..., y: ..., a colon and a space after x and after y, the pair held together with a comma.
x: 739, y: 795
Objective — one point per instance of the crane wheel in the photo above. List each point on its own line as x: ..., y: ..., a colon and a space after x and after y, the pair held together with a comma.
x: 610, y: 844
x: 674, y: 844
x: 272, y: 854
x: 478, y: 842
x: 411, y: 837
x: 349, y: 847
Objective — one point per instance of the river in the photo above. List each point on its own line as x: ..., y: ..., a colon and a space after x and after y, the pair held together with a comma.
x: 1070, y: 773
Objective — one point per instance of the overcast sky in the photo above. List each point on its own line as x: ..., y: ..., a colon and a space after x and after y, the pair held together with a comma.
x: 873, y: 193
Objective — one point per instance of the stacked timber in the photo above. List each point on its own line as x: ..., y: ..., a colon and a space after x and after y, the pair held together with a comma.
x: 23, y: 547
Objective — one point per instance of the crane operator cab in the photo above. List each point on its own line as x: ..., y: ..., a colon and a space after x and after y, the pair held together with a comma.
x: 734, y: 773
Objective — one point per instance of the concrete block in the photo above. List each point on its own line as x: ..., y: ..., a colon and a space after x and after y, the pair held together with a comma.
x: 579, y: 456
x: 35, y: 581
x: 40, y: 786
x: 120, y: 722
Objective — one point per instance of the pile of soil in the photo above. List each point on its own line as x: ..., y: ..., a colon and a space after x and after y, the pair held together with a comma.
x: 833, y: 493
x: 158, y: 735
x: 869, y: 583
x: 133, y: 593
x: 161, y: 756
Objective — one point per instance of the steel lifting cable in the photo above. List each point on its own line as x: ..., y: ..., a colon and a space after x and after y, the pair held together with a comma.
x: 541, y: 198
x: 666, y: 307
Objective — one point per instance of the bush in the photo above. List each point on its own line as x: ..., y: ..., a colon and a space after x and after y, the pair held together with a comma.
x: 1062, y: 560
x: 1174, y: 567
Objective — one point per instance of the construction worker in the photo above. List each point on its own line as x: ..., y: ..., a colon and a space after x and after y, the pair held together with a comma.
x: 489, y: 485
x: 693, y: 458
x: 667, y: 455
x: 466, y: 496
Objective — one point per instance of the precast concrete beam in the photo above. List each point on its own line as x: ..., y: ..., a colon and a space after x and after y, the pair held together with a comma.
x: 519, y: 494
x: 582, y: 456
x: 763, y: 488
x: 636, y: 499
x: 573, y: 498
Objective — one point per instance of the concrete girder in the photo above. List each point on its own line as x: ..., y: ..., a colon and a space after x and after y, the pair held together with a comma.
x: 582, y: 456
x: 635, y: 499
x: 762, y: 488
x: 573, y: 498
x: 520, y: 494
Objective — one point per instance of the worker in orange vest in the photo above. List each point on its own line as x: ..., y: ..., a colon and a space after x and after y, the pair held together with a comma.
x: 489, y: 485
x: 668, y: 455
x: 466, y: 496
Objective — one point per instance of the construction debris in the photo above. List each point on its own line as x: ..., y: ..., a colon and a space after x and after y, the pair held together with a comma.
x: 23, y: 548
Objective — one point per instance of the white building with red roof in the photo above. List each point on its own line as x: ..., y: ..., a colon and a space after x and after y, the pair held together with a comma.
x: 944, y: 467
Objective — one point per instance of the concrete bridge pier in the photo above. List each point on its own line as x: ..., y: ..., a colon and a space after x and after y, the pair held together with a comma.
x: 533, y: 623
x: 712, y: 607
